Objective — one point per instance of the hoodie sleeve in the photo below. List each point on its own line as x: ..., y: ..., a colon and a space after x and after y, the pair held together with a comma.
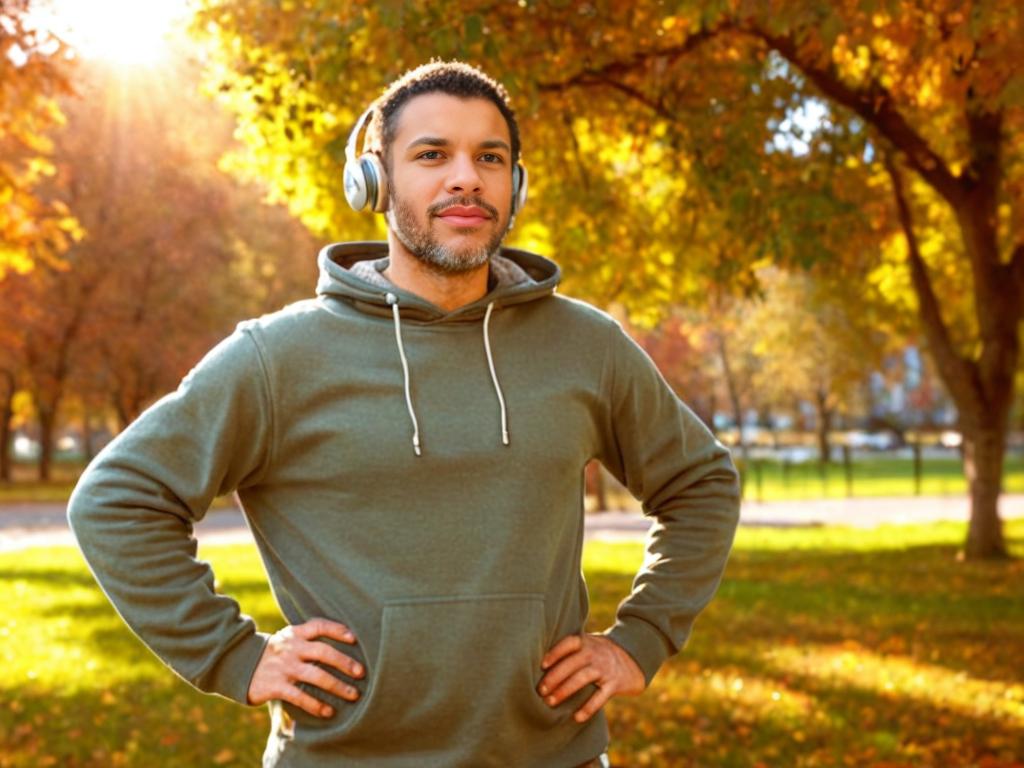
x: 133, y: 510
x: 669, y: 460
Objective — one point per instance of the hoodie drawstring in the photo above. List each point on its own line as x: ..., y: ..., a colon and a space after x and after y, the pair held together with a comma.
x: 392, y: 299
x: 494, y: 375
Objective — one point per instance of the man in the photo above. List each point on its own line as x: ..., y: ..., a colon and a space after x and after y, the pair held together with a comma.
x: 409, y: 449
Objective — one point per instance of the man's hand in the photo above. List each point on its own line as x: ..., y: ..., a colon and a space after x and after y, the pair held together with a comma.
x: 576, y: 660
x: 288, y: 658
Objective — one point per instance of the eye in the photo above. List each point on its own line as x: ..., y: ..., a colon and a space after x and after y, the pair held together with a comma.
x: 497, y: 158
x: 423, y: 155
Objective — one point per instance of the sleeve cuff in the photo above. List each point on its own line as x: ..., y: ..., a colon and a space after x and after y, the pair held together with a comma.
x: 233, y: 673
x: 643, y: 642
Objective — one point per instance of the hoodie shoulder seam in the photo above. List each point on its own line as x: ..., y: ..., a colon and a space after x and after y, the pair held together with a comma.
x: 267, y: 391
x: 606, y: 391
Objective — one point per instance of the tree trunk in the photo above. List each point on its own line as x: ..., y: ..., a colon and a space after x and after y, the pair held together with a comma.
x: 6, y: 417
x: 824, y: 427
x: 88, y: 437
x: 124, y: 416
x: 983, y: 466
x: 734, y: 399
x: 46, y: 425
x: 705, y: 410
x: 982, y: 388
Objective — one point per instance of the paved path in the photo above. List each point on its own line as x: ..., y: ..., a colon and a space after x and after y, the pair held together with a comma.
x: 28, y: 525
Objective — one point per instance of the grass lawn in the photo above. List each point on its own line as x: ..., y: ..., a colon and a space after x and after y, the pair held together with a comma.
x: 825, y: 647
x: 870, y: 475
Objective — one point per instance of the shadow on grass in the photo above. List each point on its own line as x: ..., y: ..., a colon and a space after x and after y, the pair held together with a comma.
x: 159, y: 722
x: 805, y: 658
x: 695, y: 714
x: 734, y: 717
x: 810, y: 657
x: 968, y: 617
x: 100, y: 627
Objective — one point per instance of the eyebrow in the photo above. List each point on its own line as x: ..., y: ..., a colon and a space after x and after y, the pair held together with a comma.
x: 435, y: 141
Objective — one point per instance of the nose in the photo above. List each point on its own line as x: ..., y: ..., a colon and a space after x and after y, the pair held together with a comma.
x: 464, y: 176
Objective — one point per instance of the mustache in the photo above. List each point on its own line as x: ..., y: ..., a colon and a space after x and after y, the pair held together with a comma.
x: 435, y: 209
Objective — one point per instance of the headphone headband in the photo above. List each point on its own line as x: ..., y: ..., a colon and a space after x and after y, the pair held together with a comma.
x: 353, y: 137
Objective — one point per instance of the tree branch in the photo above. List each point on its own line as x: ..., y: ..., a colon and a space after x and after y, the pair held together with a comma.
x: 655, y: 105
x: 985, y: 130
x: 994, y: 285
x: 959, y: 374
x: 631, y: 63
x: 608, y: 73
x: 584, y: 176
x: 877, y: 107
x: 1017, y: 274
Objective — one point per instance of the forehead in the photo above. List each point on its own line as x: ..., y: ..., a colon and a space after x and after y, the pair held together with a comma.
x: 450, y: 117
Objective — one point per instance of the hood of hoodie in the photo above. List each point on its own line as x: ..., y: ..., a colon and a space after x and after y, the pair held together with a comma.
x: 352, y: 272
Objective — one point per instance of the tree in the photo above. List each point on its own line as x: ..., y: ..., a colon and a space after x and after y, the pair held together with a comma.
x: 815, y: 343
x: 174, y: 253
x: 636, y: 107
x: 11, y: 366
x: 679, y: 346
x: 33, y: 75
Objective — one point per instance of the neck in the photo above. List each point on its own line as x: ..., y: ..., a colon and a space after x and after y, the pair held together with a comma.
x: 443, y: 289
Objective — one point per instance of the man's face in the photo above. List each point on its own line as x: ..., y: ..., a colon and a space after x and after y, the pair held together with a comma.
x: 450, y: 154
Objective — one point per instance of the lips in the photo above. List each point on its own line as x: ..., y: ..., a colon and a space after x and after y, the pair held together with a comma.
x: 465, y: 211
x: 464, y: 216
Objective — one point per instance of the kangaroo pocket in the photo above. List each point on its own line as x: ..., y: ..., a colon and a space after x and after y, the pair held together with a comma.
x: 455, y: 671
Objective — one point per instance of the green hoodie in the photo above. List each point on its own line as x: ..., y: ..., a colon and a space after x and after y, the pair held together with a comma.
x: 417, y: 475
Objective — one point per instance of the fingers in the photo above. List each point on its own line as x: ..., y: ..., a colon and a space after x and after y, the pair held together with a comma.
x: 599, y: 698
x: 294, y: 655
x: 569, y: 665
x: 584, y: 675
x: 579, y: 660
x: 305, y: 702
x: 565, y: 646
x: 314, y: 675
x: 325, y: 654
x: 315, y: 628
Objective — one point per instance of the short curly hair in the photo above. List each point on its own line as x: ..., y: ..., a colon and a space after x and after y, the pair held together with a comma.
x: 455, y: 78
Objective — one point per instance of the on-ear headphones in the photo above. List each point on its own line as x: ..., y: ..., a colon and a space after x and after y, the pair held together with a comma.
x: 364, y: 177
x: 366, y: 183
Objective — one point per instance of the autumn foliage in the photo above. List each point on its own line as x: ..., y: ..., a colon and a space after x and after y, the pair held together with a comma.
x: 680, y: 155
x: 666, y: 144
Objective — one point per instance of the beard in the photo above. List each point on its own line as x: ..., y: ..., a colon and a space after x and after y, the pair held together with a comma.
x: 422, y: 242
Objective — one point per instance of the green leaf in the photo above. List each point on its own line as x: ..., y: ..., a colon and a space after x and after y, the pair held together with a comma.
x: 473, y: 29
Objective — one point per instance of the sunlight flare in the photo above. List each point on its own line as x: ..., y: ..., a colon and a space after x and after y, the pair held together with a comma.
x: 125, y: 32
x: 853, y: 666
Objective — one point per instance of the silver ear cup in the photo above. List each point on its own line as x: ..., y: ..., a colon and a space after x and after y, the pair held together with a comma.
x: 372, y: 182
x: 354, y: 180
x: 376, y: 182
x: 365, y: 183
x: 520, y: 183
x: 363, y: 177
